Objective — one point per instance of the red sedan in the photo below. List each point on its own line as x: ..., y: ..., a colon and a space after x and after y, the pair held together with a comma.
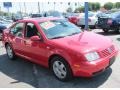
x: 73, y: 19
x: 61, y: 46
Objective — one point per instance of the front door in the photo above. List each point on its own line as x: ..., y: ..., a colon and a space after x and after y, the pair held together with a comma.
x: 35, y: 50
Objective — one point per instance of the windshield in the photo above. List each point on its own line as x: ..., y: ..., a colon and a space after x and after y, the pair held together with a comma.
x: 59, y: 29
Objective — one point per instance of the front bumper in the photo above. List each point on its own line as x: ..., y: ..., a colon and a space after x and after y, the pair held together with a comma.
x: 89, y: 69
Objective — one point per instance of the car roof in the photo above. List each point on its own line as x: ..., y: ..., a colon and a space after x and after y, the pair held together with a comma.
x: 40, y: 19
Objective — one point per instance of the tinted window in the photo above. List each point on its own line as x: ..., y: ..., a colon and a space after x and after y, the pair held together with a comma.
x: 36, y: 15
x: 59, y: 28
x: 17, y: 29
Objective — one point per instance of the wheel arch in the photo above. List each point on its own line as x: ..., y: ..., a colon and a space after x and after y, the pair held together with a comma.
x: 54, y: 55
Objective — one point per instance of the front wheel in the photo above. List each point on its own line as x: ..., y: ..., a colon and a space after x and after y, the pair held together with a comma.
x: 105, y: 30
x: 10, y: 52
x: 61, y: 69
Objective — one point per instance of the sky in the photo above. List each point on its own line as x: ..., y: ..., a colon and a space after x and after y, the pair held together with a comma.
x: 32, y: 7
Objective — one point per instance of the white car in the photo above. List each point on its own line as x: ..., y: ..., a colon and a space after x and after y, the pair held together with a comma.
x: 92, y: 20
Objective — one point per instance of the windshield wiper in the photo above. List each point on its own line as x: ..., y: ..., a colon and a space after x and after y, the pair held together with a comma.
x: 58, y: 37
x: 74, y: 33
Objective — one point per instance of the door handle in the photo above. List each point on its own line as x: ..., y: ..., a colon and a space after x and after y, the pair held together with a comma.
x: 27, y: 43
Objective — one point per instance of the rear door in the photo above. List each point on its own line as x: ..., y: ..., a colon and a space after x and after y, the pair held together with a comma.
x: 16, y: 36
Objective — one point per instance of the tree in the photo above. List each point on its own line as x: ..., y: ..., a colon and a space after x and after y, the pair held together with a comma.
x: 117, y: 5
x: 80, y: 9
x: 108, y: 5
x: 97, y: 7
x: 69, y: 9
x: 94, y: 6
x: 69, y: 3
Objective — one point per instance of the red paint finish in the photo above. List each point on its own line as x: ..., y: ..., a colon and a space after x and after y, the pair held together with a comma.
x: 72, y: 49
x: 73, y: 19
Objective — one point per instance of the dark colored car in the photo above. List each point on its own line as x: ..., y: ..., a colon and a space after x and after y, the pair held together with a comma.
x: 53, y: 14
x: 110, y: 22
x: 36, y: 15
x: 2, y: 27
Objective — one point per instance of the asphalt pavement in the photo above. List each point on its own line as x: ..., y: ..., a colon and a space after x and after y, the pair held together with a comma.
x: 24, y: 74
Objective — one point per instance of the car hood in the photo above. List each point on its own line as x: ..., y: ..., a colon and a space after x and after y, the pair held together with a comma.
x: 84, y: 42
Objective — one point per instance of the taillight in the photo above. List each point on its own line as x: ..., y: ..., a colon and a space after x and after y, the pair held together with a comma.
x: 109, y: 21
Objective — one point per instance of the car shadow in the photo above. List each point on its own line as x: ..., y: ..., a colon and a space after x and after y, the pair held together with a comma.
x: 37, y: 76
x: 110, y: 33
x: 118, y: 39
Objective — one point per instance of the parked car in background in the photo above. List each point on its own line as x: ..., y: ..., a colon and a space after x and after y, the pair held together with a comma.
x: 36, y: 15
x: 92, y: 20
x: 53, y: 14
x: 17, y: 17
x: 110, y: 22
x: 73, y: 17
x: 6, y: 19
x: 2, y: 27
x: 60, y: 46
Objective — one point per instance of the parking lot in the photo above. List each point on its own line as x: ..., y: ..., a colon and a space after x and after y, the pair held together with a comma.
x: 22, y: 73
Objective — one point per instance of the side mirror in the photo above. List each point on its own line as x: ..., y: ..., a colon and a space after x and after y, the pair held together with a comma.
x: 35, y: 38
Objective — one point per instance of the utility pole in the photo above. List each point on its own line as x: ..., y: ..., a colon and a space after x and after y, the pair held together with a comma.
x: 86, y: 15
x: 20, y: 6
x: 38, y: 7
x: 54, y: 5
x: 25, y: 7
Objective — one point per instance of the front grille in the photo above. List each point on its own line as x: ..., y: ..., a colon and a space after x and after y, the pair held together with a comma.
x: 107, y: 52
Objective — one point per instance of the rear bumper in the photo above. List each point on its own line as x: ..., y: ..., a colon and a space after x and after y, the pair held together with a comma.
x: 109, y: 27
x: 89, y: 69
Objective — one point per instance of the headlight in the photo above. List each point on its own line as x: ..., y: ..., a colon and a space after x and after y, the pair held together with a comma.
x: 92, y: 56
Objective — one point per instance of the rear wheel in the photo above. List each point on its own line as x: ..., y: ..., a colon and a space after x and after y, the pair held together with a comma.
x: 105, y: 30
x: 10, y: 52
x: 61, y: 69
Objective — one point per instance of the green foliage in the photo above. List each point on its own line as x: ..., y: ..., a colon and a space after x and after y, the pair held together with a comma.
x: 108, y: 5
x: 80, y: 9
x: 117, y: 5
x: 93, y: 6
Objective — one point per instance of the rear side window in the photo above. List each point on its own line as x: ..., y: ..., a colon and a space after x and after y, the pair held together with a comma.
x: 17, y: 29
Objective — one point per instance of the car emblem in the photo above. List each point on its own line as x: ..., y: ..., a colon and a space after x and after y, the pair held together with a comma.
x: 109, y: 50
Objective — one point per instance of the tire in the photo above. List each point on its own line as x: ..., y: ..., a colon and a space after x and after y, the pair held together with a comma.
x: 61, y: 69
x: 117, y: 30
x: 96, y: 25
x: 106, y: 30
x: 10, y: 53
